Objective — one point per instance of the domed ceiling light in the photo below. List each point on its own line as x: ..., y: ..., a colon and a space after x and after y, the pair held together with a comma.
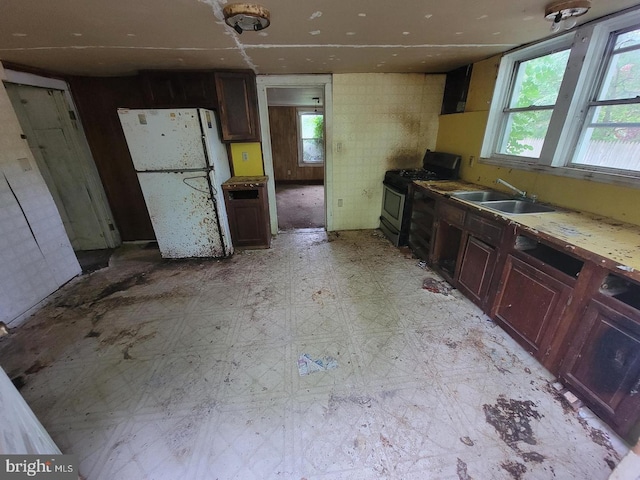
x: 564, y: 13
x: 246, y: 16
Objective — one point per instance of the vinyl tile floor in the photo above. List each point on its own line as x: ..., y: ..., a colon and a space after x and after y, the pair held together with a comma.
x: 153, y: 369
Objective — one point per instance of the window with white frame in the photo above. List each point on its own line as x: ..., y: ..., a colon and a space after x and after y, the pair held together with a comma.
x: 310, y: 137
x: 610, y: 136
x: 571, y: 105
x: 532, y: 98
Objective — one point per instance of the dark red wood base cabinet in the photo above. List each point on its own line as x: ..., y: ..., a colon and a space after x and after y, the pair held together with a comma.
x: 568, y: 307
x: 604, y: 365
x: 530, y: 305
x: 248, y: 209
x: 476, y: 270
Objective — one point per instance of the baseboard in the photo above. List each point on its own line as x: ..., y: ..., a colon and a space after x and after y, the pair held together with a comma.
x: 300, y: 182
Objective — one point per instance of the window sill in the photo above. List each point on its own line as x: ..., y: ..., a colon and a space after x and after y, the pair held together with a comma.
x: 569, y: 172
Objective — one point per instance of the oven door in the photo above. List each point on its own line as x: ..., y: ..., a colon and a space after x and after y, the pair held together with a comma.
x: 392, y: 212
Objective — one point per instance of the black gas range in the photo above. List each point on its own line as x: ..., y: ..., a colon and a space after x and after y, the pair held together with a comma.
x: 395, y: 218
x: 435, y: 166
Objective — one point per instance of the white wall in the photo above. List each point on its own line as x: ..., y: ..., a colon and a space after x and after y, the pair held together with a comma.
x: 36, y: 257
x: 381, y: 121
x: 21, y: 433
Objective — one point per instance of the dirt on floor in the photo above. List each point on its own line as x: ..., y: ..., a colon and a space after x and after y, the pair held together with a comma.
x: 74, y: 312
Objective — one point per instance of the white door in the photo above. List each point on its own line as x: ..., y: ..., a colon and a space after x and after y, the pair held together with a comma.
x: 66, y: 168
x: 166, y: 139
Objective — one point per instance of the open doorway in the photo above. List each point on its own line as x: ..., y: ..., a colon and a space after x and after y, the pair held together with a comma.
x: 298, y: 83
x: 297, y: 134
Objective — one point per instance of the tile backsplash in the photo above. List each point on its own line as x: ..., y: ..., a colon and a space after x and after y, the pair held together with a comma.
x: 380, y: 122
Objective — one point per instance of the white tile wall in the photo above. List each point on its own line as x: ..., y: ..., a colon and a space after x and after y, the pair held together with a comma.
x: 380, y: 122
x: 36, y: 257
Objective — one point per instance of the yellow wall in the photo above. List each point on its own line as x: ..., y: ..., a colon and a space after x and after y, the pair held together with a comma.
x: 247, y: 159
x: 381, y: 121
x: 463, y: 133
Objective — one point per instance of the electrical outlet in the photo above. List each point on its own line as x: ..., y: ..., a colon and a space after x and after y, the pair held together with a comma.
x: 472, y: 160
x: 339, y: 202
x: 245, y: 156
x: 339, y: 147
x: 288, y: 172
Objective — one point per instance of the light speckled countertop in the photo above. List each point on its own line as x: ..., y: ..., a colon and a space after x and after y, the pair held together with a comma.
x: 245, y: 181
x: 616, y: 244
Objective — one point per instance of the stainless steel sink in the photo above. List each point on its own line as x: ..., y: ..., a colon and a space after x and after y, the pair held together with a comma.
x: 481, y: 196
x: 516, y: 206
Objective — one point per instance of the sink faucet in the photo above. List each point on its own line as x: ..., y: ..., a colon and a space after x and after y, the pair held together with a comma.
x: 522, y: 193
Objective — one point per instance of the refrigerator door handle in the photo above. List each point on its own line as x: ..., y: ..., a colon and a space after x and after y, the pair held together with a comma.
x: 185, y: 180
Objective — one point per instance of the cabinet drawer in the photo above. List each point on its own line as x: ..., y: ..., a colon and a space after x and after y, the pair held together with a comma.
x: 451, y: 214
x: 486, y: 229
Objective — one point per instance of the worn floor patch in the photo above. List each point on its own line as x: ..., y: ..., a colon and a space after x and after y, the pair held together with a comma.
x: 307, y: 365
x: 511, y: 419
x: 437, y: 286
x: 517, y: 470
x: 461, y: 470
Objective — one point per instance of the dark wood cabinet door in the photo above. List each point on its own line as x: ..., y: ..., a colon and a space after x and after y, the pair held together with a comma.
x: 423, y: 209
x: 179, y: 89
x: 604, y: 366
x: 529, y: 305
x: 237, y: 106
x: 248, y: 212
x: 248, y: 225
x: 199, y: 89
x: 476, y: 270
x: 161, y: 89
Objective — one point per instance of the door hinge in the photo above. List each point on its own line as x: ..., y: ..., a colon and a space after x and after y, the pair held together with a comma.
x: 72, y: 115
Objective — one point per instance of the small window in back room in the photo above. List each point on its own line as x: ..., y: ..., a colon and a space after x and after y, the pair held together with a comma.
x: 610, y: 137
x: 310, y: 137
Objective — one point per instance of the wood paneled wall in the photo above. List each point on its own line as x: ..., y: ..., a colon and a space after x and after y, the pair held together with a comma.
x: 98, y: 100
x: 284, y: 148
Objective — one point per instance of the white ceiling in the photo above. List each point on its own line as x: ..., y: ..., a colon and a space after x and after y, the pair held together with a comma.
x: 306, y: 36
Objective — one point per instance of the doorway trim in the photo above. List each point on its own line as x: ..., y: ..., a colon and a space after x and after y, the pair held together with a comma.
x: 292, y: 81
x: 105, y: 218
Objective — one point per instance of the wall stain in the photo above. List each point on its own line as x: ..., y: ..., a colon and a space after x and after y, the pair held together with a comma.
x: 404, y: 158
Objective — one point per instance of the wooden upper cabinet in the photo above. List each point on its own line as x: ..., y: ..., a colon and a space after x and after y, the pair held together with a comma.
x: 163, y: 89
x: 237, y: 106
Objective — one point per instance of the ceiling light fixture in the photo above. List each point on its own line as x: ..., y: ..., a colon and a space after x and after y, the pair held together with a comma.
x: 564, y: 13
x: 246, y: 16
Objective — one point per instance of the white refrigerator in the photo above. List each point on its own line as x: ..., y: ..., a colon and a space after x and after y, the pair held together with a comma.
x: 181, y: 164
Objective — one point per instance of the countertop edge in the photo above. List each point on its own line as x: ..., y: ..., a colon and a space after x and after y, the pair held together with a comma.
x: 538, y: 224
